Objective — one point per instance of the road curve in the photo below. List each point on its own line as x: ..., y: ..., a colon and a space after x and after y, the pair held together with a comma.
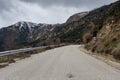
x: 64, y: 63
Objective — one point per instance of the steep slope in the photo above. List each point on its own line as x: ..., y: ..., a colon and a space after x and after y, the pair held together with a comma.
x: 108, y: 38
x: 74, y: 31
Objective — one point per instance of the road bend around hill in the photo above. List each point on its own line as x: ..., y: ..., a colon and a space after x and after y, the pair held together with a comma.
x: 64, y: 63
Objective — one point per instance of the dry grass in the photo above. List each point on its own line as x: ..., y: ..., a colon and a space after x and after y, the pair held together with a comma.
x: 109, y: 59
x: 6, y: 60
x: 116, y: 53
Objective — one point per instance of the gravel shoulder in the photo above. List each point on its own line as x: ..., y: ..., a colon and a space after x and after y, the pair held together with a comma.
x: 107, y: 59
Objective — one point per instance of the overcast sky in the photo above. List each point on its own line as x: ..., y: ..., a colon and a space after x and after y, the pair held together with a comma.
x: 44, y: 11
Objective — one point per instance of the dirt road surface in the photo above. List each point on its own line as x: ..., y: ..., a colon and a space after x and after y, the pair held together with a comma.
x: 64, y: 63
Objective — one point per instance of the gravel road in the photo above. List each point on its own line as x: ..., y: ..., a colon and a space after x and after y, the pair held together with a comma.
x: 64, y: 63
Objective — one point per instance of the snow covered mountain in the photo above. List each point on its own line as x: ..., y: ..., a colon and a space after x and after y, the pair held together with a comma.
x: 23, y: 33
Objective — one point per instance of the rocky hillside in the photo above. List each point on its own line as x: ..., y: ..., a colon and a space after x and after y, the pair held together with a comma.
x: 108, y: 38
x: 74, y: 31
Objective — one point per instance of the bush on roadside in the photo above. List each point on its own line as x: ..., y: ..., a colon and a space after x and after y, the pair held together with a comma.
x: 87, y: 37
x: 116, y: 53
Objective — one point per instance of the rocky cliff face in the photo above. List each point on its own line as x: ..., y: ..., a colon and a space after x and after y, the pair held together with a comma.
x: 109, y: 36
x: 108, y: 40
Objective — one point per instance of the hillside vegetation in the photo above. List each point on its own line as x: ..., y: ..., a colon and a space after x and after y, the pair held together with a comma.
x: 108, y: 38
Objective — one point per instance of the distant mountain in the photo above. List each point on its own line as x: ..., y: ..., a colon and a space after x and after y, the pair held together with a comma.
x: 22, y: 34
x: 76, y: 17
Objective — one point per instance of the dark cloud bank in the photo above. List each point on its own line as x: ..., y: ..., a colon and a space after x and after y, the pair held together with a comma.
x: 71, y: 3
x: 43, y: 10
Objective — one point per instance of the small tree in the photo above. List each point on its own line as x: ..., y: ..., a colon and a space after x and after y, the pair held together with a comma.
x: 91, y: 25
x: 94, y: 28
x: 87, y: 37
x: 57, y: 41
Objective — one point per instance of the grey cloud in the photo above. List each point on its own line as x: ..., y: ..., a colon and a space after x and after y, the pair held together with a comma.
x: 71, y: 3
x: 26, y: 10
x: 6, y: 4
